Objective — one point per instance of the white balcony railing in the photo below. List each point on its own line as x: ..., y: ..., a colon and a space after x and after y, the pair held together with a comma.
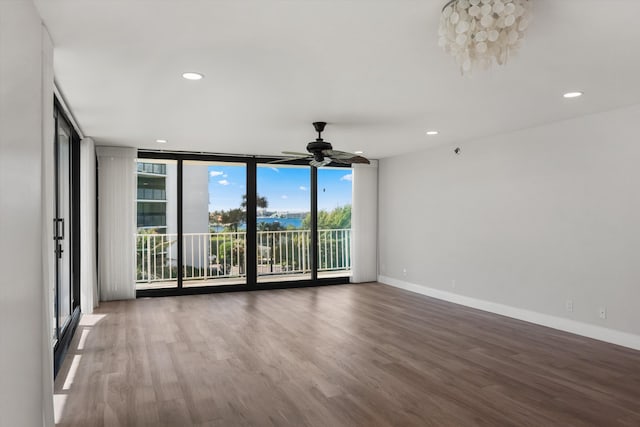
x: 222, y: 255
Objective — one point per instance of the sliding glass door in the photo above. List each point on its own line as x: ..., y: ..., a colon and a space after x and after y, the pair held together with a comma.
x: 334, y: 222
x: 66, y: 233
x: 157, y: 224
x: 283, y: 237
x: 62, y: 232
x: 214, y: 223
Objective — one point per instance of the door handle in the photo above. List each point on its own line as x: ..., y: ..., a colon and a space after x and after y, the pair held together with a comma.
x: 58, y: 228
x: 59, y: 251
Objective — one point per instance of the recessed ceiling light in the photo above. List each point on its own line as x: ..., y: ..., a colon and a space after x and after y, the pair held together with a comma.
x: 572, y: 94
x: 192, y: 75
x: 432, y: 132
x: 359, y: 152
x: 161, y: 141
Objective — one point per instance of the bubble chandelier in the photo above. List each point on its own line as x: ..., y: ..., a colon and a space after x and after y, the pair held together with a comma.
x: 480, y: 32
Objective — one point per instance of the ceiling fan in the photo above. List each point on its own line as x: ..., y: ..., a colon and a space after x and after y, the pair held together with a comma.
x: 321, y: 152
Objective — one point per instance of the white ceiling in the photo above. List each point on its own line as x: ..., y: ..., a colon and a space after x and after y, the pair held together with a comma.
x: 371, y: 68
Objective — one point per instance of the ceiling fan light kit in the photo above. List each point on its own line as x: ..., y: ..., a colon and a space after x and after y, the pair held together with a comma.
x: 480, y: 32
x: 318, y: 164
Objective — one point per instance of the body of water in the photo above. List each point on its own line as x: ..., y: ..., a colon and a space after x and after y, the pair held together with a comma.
x: 284, y: 222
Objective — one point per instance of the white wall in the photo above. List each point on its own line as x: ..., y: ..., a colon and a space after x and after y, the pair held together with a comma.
x: 195, y: 179
x: 195, y: 211
x: 89, y: 293
x: 364, y: 223
x: 526, y: 220
x: 171, y: 187
x: 26, y: 83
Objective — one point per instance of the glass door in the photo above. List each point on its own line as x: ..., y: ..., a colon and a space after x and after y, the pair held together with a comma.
x: 66, y: 233
x: 283, y: 236
x: 334, y: 222
x: 157, y: 224
x: 214, y: 223
x: 62, y: 231
x: 210, y: 223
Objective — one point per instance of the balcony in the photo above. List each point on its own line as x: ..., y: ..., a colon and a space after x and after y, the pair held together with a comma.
x: 156, y: 194
x: 152, y: 168
x: 212, y: 259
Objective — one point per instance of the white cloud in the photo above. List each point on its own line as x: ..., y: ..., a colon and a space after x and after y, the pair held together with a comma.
x: 303, y: 188
x: 213, y: 174
x: 347, y: 177
x: 284, y: 196
x: 225, y: 176
x: 223, y: 182
x: 275, y: 169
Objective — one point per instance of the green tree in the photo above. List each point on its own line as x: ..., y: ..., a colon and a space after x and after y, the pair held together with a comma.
x: 271, y: 226
x: 333, y: 249
x: 229, y: 253
x: 152, y: 246
x: 233, y: 217
x: 338, y: 218
x: 261, y: 202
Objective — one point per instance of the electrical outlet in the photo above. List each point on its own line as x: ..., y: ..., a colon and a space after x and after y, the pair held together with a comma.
x: 602, y: 312
x: 569, y: 305
x: 453, y: 283
x: 404, y: 271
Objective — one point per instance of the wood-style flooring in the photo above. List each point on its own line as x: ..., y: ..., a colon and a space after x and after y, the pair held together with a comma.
x: 348, y: 355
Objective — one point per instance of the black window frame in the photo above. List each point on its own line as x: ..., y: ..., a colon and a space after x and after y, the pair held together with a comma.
x: 251, y: 284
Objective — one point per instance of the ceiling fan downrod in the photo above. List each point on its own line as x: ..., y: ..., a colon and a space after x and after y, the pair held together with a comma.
x: 319, y: 127
x: 319, y: 145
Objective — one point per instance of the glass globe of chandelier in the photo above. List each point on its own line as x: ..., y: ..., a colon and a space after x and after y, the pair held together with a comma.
x: 480, y: 32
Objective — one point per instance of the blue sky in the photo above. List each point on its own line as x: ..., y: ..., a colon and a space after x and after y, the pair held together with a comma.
x: 334, y: 188
x: 286, y: 188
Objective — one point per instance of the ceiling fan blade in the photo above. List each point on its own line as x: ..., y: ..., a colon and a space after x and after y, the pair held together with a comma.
x: 339, y: 162
x: 344, y: 157
x: 323, y: 154
x: 290, y: 159
x: 294, y: 153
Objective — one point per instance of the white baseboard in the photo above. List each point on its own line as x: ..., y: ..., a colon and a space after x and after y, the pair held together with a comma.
x: 579, y: 328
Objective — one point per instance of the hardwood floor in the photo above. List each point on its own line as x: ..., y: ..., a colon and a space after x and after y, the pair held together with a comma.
x: 348, y: 355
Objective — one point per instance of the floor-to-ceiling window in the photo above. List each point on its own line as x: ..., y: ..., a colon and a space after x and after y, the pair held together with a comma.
x: 214, y: 223
x: 334, y: 221
x: 66, y: 226
x: 157, y: 224
x: 283, y: 238
x: 208, y: 222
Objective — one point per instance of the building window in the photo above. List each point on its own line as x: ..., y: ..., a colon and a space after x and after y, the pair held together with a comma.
x: 152, y: 196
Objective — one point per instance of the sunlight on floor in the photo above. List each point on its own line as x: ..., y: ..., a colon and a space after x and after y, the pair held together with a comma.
x: 59, y: 401
x: 83, y: 338
x: 91, y: 319
x: 72, y: 372
x: 85, y: 325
